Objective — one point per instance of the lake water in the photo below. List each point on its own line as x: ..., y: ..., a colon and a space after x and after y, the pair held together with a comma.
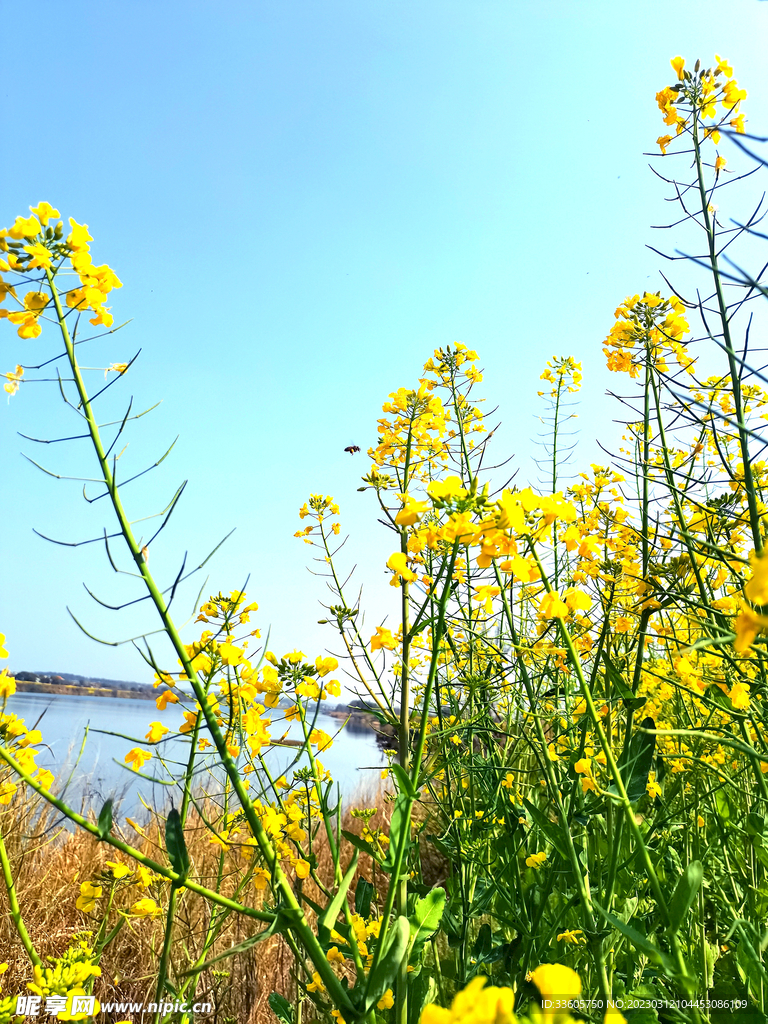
x: 100, y: 772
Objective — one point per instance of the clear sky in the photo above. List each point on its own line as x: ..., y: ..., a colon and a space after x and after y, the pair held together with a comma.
x: 303, y: 199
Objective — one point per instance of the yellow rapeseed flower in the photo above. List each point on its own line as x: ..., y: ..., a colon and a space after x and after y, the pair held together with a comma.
x: 118, y: 870
x: 137, y: 757
x: 326, y: 665
x: 89, y: 893
x: 145, y: 907
x: 739, y: 696
x: 383, y: 638
x: 7, y: 790
x: 78, y: 237
x: 613, y: 1016
x: 747, y: 625
x: 555, y: 981
x: 302, y: 869
x: 44, y: 212
x: 156, y: 732
x: 411, y: 511
x: 476, y: 1004
x: 652, y: 788
x: 398, y: 563
x: 7, y: 684
x: 387, y: 1001
x: 756, y: 588
x: 552, y: 607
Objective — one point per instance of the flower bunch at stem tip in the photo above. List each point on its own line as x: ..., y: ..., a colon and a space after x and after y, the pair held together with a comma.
x: 692, y: 102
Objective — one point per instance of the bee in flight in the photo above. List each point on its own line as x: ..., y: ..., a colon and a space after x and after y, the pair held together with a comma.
x: 352, y: 448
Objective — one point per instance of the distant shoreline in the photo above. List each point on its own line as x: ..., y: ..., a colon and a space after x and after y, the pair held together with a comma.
x: 71, y: 690
x: 356, y: 719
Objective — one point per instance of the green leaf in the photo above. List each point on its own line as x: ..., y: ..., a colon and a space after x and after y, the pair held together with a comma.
x: 452, y: 927
x: 421, y: 990
x: 425, y: 920
x: 241, y: 947
x: 643, y: 1015
x: 685, y: 893
x: 404, y: 783
x: 711, y: 956
x: 548, y: 828
x: 381, y: 979
x: 755, y: 824
x: 363, y: 897
x: 176, y: 846
x: 723, y: 805
x: 448, y: 849
x: 484, y: 896
x: 483, y: 943
x: 620, y: 688
x: 638, y: 940
x: 362, y: 845
x: 328, y: 921
x: 716, y: 695
x: 104, y: 824
x: 419, y: 627
x: 281, y: 1008
x: 629, y: 908
x: 635, y: 762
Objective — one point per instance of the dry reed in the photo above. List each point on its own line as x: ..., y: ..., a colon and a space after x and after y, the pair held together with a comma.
x: 50, y: 861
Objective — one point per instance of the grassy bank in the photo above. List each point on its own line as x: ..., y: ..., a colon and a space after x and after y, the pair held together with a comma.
x: 50, y: 865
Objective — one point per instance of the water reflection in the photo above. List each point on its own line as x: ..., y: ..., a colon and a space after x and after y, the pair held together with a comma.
x: 96, y: 771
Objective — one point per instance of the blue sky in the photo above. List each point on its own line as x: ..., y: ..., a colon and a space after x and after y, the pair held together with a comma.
x: 303, y: 200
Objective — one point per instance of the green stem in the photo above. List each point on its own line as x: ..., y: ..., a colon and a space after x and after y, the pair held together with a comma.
x: 170, y: 914
x: 623, y: 799
x: 416, y: 763
x: 733, y: 366
x: 13, y: 903
x: 299, y: 925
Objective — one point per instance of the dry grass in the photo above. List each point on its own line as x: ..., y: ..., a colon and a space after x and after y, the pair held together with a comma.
x: 50, y: 862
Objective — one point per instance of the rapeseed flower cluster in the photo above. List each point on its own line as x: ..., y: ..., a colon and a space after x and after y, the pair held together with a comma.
x: 19, y: 741
x: 564, y: 374
x: 481, y: 1003
x: 68, y: 975
x: 34, y: 243
x: 647, y: 327
x: 690, y: 105
x: 244, y: 699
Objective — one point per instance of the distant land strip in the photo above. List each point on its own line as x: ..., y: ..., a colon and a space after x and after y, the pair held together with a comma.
x: 59, y: 683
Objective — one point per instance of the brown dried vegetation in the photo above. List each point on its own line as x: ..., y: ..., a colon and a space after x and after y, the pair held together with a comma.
x: 50, y: 861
